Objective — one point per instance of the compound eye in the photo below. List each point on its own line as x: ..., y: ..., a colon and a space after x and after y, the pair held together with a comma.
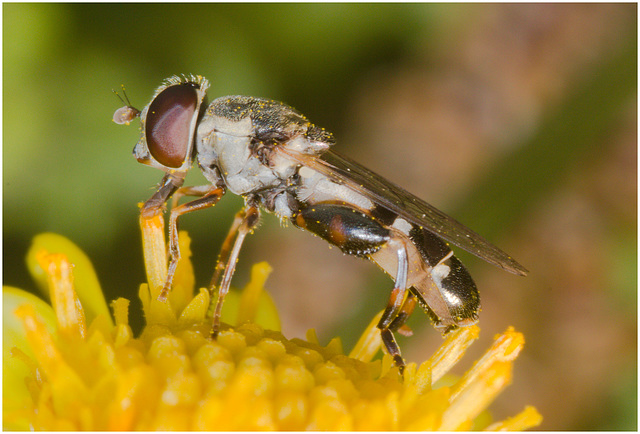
x: 168, y: 124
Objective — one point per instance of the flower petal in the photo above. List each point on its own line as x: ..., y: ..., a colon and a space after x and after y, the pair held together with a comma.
x: 64, y: 384
x: 13, y: 333
x: 16, y: 397
x: 526, y: 419
x: 505, y: 348
x: 452, y: 350
x: 483, y: 382
x: 155, y: 253
x: 256, y: 305
x: 477, y: 395
x: 369, y: 343
x: 183, y: 280
x: 86, y: 281
x: 196, y: 310
x: 69, y: 311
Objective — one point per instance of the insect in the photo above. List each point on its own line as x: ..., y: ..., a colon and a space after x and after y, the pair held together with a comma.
x: 278, y: 161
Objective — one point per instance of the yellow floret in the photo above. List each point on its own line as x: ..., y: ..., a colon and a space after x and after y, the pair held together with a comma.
x: 71, y: 370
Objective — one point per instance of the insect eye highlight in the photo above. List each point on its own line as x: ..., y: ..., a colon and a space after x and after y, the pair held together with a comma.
x: 168, y: 124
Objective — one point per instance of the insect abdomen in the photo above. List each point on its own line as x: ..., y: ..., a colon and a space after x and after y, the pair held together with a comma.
x: 457, y: 288
x: 353, y: 231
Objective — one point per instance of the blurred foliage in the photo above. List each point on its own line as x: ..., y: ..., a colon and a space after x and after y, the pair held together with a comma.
x: 566, y: 138
x: 67, y: 168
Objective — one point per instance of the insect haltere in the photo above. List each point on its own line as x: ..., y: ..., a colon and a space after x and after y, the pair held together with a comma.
x: 278, y: 161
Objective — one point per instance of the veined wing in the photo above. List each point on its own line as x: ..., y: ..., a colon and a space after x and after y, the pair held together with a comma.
x: 388, y: 195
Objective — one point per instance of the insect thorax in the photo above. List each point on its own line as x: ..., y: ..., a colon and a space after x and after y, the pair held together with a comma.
x: 237, y: 138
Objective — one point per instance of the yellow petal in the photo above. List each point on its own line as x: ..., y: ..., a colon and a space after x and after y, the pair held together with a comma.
x: 155, y: 253
x: 86, y: 281
x: 68, y: 393
x: 121, y: 310
x: 157, y: 310
x: 483, y: 382
x: 197, y: 309
x: 13, y: 333
x: 452, y: 350
x: 526, y: 419
x: 256, y: 305
x: 184, y: 279
x: 253, y: 303
x: 160, y: 312
x: 15, y: 369
x: 505, y: 348
x: 478, y: 394
x: 369, y: 343
x: 251, y: 293
x: 69, y: 311
x: 121, y: 313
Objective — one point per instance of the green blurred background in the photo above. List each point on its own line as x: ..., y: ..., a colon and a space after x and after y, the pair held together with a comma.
x: 519, y: 120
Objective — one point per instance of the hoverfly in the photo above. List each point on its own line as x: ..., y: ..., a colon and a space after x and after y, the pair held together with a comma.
x: 278, y: 161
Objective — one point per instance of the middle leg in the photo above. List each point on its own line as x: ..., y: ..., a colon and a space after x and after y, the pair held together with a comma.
x: 248, y: 220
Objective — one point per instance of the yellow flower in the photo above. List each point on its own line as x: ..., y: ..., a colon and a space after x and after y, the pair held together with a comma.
x: 70, y: 366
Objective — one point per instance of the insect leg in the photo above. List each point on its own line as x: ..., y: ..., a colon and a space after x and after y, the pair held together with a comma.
x: 358, y: 233
x: 398, y: 324
x: 396, y: 299
x: 248, y: 223
x: 191, y: 190
x: 392, y: 348
x: 155, y: 205
x: 395, y: 305
x: 225, y: 250
x: 207, y: 200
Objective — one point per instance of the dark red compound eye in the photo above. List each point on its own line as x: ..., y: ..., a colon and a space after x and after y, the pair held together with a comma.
x: 168, y: 124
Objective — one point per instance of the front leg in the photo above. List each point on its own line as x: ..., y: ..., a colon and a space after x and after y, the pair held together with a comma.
x: 210, y: 196
x: 155, y: 205
x: 191, y: 190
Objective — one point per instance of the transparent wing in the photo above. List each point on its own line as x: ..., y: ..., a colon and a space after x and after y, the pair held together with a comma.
x: 394, y: 198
